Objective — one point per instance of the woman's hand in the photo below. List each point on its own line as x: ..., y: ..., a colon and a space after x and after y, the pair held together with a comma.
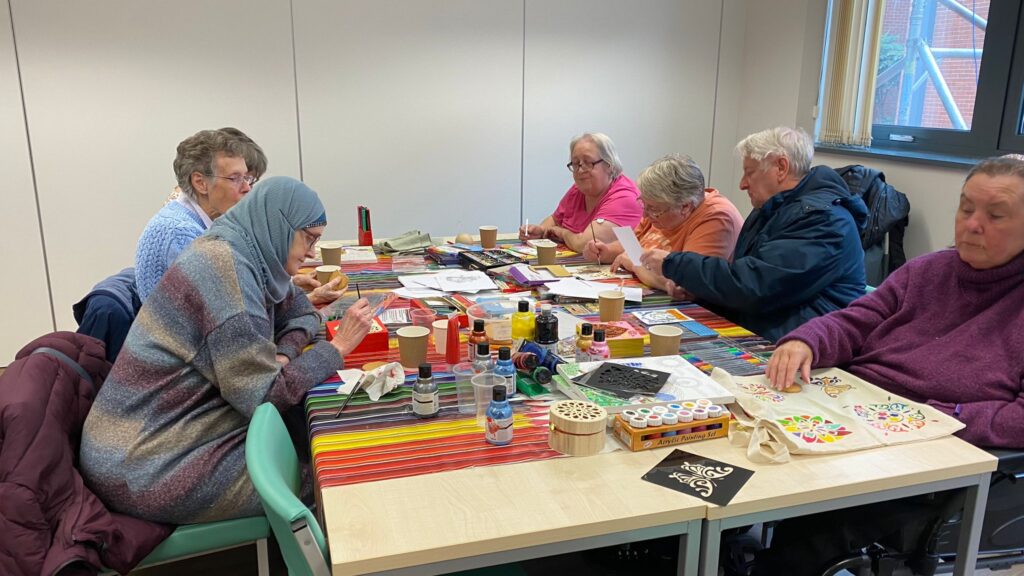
x: 531, y: 231
x: 355, y: 325
x: 327, y: 293
x: 307, y: 282
x: 600, y: 252
x: 787, y: 360
x: 622, y: 261
x: 653, y: 259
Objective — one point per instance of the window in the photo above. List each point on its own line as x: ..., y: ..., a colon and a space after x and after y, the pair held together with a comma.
x: 949, y: 78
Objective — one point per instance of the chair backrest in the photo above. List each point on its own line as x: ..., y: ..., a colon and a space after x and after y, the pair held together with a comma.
x: 274, y: 470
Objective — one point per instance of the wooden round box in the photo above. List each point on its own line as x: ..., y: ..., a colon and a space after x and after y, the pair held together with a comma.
x: 577, y: 428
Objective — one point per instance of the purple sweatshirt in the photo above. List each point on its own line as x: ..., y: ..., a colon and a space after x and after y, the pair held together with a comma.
x: 941, y: 332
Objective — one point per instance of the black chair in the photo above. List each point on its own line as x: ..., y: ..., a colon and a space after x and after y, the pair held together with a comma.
x: 1002, y: 533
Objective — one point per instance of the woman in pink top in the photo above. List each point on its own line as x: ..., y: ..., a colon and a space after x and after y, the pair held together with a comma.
x: 601, y: 198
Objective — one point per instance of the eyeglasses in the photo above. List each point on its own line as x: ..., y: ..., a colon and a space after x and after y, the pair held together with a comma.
x: 582, y: 165
x: 238, y: 179
x: 652, y: 214
x: 310, y: 240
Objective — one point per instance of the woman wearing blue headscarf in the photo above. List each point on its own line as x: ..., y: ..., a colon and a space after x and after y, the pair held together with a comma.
x: 223, y: 332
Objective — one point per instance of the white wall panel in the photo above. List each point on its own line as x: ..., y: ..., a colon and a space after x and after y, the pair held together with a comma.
x: 413, y: 109
x: 112, y: 87
x: 24, y: 294
x: 642, y: 72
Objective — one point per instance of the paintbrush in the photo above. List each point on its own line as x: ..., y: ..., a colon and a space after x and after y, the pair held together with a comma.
x: 358, y: 295
x: 359, y: 383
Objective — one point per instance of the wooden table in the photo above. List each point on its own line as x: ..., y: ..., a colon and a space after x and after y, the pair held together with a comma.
x: 811, y: 484
x: 494, y: 515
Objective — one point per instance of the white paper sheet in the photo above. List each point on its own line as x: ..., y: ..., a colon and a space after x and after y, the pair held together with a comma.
x: 576, y: 288
x: 349, y: 377
x: 412, y: 293
x: 464, y: 281
x: 629, y: 243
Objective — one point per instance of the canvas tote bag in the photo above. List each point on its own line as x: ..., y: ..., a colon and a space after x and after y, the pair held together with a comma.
x: 835, y: 412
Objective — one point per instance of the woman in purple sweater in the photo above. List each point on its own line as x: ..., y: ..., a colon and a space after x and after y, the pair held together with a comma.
x: 946, y: 328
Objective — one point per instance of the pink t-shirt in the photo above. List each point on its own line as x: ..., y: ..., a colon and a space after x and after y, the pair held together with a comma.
x: 619, y: 205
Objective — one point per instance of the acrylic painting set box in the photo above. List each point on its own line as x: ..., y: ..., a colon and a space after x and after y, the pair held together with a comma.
x: 661, y: 426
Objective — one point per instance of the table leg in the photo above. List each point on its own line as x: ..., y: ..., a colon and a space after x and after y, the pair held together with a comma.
x: 689, y: 549
x: 711, y: 540
x: 970, y: 526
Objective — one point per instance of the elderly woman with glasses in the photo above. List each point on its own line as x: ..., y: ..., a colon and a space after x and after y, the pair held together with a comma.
x: 680, y: 214
x: 601, y: 198
x: 224, y: 331
x: 215, y: 169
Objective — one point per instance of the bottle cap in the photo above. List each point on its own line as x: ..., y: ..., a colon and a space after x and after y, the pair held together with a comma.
x: 542, y: 375
x: 504, y: 353
x: 483, y: 349
x: 425, y: 371
x: 478, y: 325
x: 587, y: 329
x: 527, y: 360
x: 545, y: 308
x: 499, y: 393
x: 599, y: 335
x: 524, y: 306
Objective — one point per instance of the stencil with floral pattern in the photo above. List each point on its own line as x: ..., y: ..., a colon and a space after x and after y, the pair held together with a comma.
x: 814, y: 429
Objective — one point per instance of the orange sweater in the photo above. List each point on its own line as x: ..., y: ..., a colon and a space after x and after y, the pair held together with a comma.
x: 710, y: 230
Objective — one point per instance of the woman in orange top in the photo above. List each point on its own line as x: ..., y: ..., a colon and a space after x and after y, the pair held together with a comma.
x: 680, y: 214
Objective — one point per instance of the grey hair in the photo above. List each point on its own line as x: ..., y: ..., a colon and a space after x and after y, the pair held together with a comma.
x: 780, y: 142
x: 255, y: 159
x: 198, y: 152
x: 1007, y: 165
x: 675, y: 180
x: 605, y: 149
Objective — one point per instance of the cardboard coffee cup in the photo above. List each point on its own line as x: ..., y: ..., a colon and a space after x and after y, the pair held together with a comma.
x: 326, y: 272
x: 412, y: 345
x: 545, y: 252
x: 488, y: 236
x: 330, y: 253
x: 611, y: 303
x: 665, y: 339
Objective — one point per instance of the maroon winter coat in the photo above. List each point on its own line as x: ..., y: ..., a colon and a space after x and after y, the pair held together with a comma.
x: 49, y: 521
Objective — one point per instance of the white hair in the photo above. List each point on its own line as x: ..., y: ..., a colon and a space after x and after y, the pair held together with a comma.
x: 675, y: 180
x: 605, y: 149
x: 780, y: 142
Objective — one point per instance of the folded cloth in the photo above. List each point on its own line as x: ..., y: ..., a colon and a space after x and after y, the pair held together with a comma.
x: 411, y: 241
x: 384, y: 379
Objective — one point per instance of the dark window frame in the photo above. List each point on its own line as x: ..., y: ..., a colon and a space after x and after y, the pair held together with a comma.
x: 994, y: 126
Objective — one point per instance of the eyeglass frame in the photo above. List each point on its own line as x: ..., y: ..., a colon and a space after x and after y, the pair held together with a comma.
x: 311, y: 239
x: 654, y: 216
x: 238, y: 179
x: 578, y: 167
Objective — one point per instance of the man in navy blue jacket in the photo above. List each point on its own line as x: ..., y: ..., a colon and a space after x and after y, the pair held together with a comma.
x: 798, y: 254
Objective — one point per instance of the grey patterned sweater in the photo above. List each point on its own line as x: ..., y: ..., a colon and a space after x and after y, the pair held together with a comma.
x: 165, y: 439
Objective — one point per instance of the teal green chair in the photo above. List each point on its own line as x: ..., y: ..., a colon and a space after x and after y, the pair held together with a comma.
x: 275, y: 472
x: 868, y: 289
x: 192, y: 540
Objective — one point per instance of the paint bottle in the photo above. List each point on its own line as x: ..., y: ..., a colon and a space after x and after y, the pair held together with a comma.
x: 584, y: 341
x: 547, y: 329
x: 547, y: 359
x: 700, y: 415
x: 599, y: 349
x: 482, y: 362
x: 425, y: 403
x: 541, y: 375
x: 670, y: 419
x: 505, y: 368
x: 498, y: 430
x: 524, y: 321
x: 525, y: 362
x: 477, y: 336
